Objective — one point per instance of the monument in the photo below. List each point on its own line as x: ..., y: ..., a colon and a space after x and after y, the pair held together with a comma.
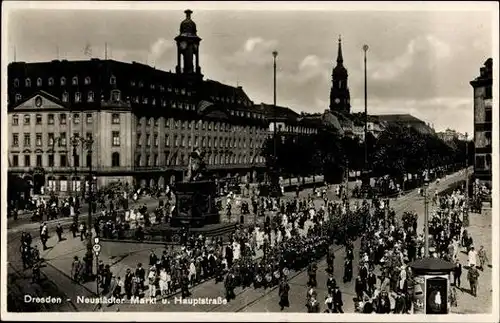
x: 195, y: 197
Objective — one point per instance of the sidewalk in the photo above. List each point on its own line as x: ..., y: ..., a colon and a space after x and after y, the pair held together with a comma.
x: 481, y: 230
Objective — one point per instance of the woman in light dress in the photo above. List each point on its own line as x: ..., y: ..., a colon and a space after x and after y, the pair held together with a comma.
x: 163, y: 282
x: 152, y: 282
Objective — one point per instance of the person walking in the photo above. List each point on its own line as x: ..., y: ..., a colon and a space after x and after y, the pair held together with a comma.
x: 457, y: 273
x: 59, y: 231
x: 473, y: 276
x: 472, y: 257
x: 483, y: 258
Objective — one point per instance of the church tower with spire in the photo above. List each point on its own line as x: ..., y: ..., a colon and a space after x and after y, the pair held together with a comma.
x: 339, y: 94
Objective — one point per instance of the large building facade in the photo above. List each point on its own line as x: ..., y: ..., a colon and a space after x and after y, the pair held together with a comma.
x: 483, y: 122
x: 143, y: 122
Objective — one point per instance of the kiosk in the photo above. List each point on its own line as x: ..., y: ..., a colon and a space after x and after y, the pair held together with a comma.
x: 432, y: 285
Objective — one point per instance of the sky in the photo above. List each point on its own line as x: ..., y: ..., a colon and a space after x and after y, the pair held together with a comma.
x: 418, y: 62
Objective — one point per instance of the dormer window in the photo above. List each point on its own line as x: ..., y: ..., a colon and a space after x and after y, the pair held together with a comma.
x: 90, y: 96
x: 18, y: 97
x: 27, y: 82
x: 16, y: 82
x: 78, y: 96
x: 115, y: 95
x: 51, y: 81
x: 65, y: 97
x: 39, y: 82
x: 112, y: 80
x: 63, y: 80
x: 87, y: 80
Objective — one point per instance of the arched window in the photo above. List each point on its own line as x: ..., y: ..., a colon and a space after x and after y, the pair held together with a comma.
x: 63, y: 184
x: 16, y: 82
x: 112, y: 80
x: 65, y: 97
x: 115, y: 159
x: 39, y: 82
x: 51, y: 81
x: 138, y: 160
x: 74, y: 81
x: 18, y: 97
x: 27, y: 82
x: 63, y: 80
x: 87, y: 80
x: 90, y: 97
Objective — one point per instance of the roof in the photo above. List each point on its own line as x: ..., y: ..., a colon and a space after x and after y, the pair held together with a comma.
x: 408, y: 118
x: 431, y: 265
x: 278, y: 111
x: 217, y: 89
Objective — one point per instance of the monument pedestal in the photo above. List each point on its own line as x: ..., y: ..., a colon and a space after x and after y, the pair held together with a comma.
x: 432, y: 286
x: 195, y: 204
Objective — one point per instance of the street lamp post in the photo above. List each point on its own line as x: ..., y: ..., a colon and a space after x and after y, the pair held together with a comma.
x: 274, y: 175
x: 365, y: 49
x: 89, y: 255
x: 75, y: 141
x: 466, y: 213
x: 426, y: 215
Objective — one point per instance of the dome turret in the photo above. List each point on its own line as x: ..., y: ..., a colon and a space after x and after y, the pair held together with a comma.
x: 188, y: 27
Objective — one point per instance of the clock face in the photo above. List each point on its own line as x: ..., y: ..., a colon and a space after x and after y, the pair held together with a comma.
x: 183, y: 45
x: 337, y: 100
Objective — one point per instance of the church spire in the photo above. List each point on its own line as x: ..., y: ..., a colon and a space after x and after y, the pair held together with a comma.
x: 340, y: 59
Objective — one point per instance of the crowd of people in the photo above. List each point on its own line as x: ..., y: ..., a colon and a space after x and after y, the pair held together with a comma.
x: 294, y: 236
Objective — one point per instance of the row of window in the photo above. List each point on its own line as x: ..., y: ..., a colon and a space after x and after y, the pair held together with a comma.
x: 183, y: 159
x: 61, y: 139
x: 296, y: 129
x: 63, y: 160
x: 62, y: 81
x: 115, y: 96
x: 216, y: 126
x: 115, y: 119
x: 140, y: 84
x: 188, y: 141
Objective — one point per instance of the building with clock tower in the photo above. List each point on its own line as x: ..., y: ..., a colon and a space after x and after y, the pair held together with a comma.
x: 188, y: 44
x: 339, y: 93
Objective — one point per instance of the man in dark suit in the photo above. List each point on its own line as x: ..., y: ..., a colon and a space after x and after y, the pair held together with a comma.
x: 371, y: 282
x: 359, y: 287
x: 152, y: 258
x: 283, y: 293
x: 457, y: 273
x: 337, y: 301
x: 229, y: 255
x: 331, y: 283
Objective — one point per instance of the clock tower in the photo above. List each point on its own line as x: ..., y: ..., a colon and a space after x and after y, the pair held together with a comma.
x: 188, y: 44
x: 339, y: 93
